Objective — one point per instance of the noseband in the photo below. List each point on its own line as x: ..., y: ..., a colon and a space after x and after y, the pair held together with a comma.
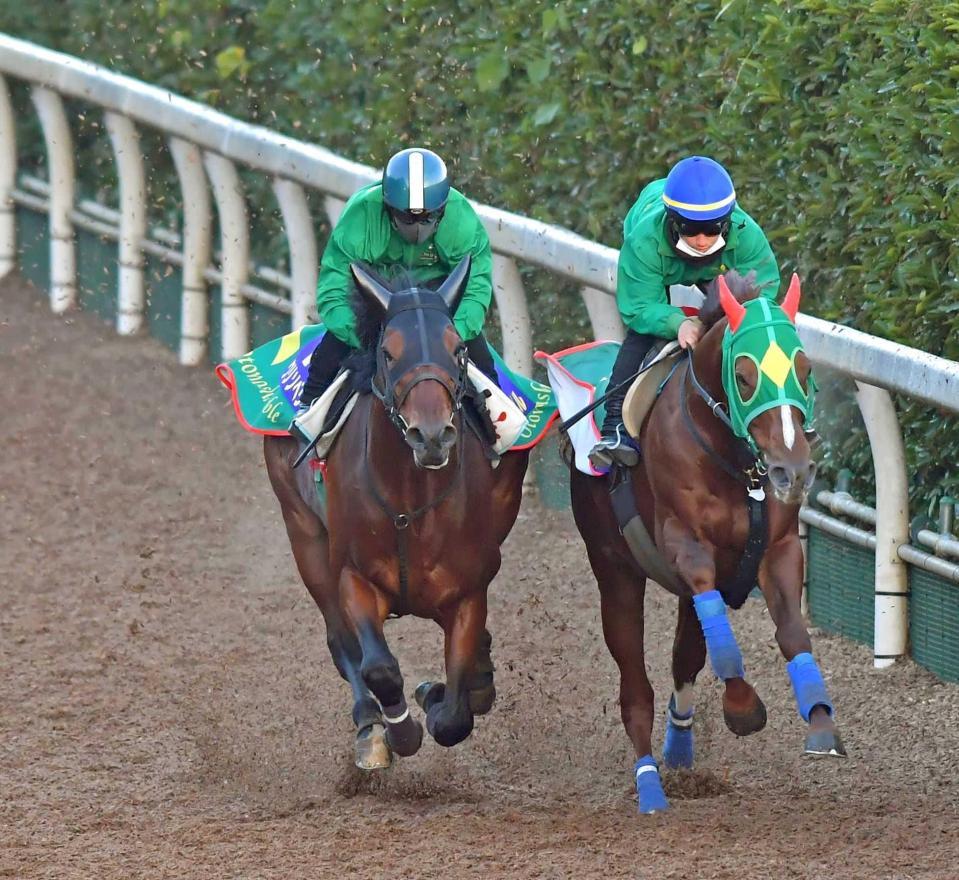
x: 388, y: 379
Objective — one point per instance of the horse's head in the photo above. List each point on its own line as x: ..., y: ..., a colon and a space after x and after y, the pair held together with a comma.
x: 768, y: 383
x: 420, y: 361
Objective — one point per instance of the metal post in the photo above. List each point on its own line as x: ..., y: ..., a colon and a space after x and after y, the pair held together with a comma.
x: 133, y: 222
x: 235, y: 248
x: 8, y: 180
x: 302, y: 242
x: 60, y: 170
x: 513, y: 315
x: 197, y: 233
x: 603, y: 314
x: 892, y: 523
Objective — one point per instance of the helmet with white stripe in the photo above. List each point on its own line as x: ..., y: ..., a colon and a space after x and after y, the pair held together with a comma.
x: 415, y: 189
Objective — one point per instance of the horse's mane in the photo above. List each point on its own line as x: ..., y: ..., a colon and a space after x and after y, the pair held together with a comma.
x: 743, y: 287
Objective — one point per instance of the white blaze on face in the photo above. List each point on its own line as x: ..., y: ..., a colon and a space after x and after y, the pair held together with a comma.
x: 417, y: 190
x: 789, y: 431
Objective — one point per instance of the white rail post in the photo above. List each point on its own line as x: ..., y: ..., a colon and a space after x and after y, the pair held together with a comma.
x: 333, y: 207
x: 513, y: 315
x: 603, y: 314
x: 133, y: 222
x: 235, y: 249
x: 8, y: 180
x: 302, y: 241
x: 197, y: 234
x: 60, y: 170
x: 892, y: 523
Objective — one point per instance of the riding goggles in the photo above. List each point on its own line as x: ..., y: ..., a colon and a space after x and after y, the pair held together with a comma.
x: 690, y: 228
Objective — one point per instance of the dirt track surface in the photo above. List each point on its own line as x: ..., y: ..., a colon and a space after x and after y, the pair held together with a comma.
x: 168, y: 707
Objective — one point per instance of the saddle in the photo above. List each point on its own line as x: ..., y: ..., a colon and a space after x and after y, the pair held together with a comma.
x: 643, y: 392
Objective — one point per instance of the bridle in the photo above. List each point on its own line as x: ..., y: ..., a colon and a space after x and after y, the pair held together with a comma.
x: 388, y: 382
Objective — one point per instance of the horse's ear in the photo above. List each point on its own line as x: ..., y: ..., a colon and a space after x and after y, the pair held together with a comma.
x: 731, y: 306
x: 790, y: 304
x: 455, y: 284
x: 370, y: 287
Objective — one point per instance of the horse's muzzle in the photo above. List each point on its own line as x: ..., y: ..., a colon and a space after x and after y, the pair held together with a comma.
x: 791, y: 482
x: 431, y: 449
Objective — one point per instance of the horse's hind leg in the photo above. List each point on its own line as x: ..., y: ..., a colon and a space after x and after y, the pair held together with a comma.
x: 449, y: 713
x: 780, y: 578
x: 689, y: 657
x: 310, y: 545
x: 380, y: 671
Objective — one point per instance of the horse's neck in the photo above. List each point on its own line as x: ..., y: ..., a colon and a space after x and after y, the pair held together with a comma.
x: 708, y: 361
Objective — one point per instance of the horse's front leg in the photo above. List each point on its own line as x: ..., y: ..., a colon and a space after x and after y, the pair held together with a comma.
x: 694, y: 559
x: 780, y: 579
x: 449, y: 717
x: 689, y: 657
x: 366, y: 609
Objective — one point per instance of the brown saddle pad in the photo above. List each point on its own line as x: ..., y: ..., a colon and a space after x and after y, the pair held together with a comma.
x: 642, y: 393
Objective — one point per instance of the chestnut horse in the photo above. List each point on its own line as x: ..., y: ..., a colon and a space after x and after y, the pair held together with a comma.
x: 415, y: 516
x: 728, y: 423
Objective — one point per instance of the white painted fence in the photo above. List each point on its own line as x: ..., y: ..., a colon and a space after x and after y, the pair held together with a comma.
x: 207, y: 147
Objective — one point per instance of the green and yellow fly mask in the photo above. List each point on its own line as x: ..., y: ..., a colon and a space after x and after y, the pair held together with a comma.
x: 764, y: 366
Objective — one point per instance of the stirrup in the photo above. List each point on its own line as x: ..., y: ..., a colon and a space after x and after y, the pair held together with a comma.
x: 614, y: 448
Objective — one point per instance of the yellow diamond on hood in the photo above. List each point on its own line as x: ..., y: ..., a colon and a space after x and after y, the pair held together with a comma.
x: 775, y: 364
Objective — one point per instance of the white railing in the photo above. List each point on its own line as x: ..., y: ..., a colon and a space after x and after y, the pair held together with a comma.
x: 207, y: 147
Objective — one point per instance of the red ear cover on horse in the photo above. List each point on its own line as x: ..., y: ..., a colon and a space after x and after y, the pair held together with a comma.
x: 791, y: 303
x: 734, y: 309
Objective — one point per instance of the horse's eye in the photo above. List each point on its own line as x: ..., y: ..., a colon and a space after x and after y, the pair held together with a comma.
x: 388, y: 356
x: 741, y: 379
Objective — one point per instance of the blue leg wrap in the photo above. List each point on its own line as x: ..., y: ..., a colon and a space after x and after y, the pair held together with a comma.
x: 724, y: 654
x: 678, y: 745
x: 808, y: 685
x: 649, y: 788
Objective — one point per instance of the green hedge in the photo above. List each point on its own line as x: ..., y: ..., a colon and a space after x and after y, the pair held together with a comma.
x: 839, y: 122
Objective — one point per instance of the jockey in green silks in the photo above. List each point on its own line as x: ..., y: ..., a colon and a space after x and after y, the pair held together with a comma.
x: 412, y: 220
x: 682, y: 230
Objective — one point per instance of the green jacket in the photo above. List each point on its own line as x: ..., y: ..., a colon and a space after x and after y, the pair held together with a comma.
x: 648, y: 265
x: 364, y: 232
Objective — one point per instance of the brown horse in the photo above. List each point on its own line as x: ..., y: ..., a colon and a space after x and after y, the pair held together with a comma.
x: 415, y: 516
x: 691, y: 489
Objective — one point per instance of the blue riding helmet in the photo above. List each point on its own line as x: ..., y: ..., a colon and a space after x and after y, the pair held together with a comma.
x: 415, y: 189
x: 699, y: 189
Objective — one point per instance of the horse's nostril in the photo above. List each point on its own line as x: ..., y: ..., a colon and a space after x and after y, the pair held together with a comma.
x: 811, y: 476
x: 447, y: 437
x: 415, y: 438
x: 779, y: 477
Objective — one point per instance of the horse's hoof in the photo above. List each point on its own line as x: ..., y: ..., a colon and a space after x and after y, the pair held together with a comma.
x: 678, y: 747
x: 825, y: 743
x: 650, y: 797
x: 482, y: 699
x: 406, y: 738
x: 373, y: 748
x: 429, y: 693
x: 745, y: 723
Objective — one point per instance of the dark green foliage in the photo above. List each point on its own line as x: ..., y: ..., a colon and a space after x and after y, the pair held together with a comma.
x: 838, y: 120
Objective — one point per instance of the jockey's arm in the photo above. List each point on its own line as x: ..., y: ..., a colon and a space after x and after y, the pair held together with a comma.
x: 336, y: 281
x: 466, y: 235
x: 641, y: 296
x: 753, y: 254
